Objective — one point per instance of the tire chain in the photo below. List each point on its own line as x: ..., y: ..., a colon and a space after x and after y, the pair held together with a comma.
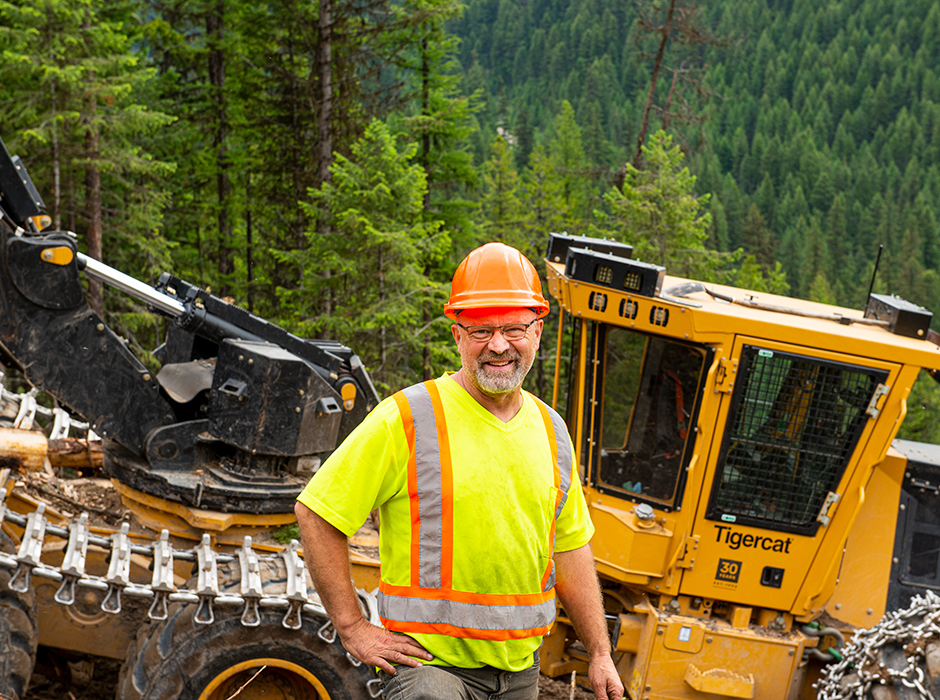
x: 861, y: 667
x: 162, y: 589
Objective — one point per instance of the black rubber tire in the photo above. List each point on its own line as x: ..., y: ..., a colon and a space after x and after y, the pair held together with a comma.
x: 19, y: 633
x: 178, y: 659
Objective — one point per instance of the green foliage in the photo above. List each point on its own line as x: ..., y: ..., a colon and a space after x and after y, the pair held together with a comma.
x: 820, y: 290
x: 923, y: 407
x: 500, y: 208
x: 287, y: 533
x: 658, y: 213
x: 67, y: 68
x: 825, y: 117
x: 376, y: 251
x: 756, y: 277
x: 569, y: 163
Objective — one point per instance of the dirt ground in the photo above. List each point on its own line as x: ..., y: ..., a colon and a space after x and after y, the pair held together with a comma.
x: 102, y: 681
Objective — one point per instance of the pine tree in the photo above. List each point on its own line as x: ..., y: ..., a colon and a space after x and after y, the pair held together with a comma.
x: 569, y: 162
x: 500, y: 206
x: 72, y: 74
x: 377, y: 249
x: 658, y: 212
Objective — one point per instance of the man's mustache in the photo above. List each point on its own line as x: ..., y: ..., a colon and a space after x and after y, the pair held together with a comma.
x: 490, y: 356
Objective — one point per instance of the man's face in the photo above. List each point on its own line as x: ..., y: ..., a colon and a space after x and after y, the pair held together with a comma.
x: 497, y: 366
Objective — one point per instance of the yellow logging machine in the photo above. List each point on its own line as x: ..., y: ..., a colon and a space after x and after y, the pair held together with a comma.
x: 753, y: 508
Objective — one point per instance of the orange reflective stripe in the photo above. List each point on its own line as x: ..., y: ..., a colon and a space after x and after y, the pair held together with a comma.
x: 409, y: 425
x: 464, y: 632
x: 447, y: 488
x: 477, y: 619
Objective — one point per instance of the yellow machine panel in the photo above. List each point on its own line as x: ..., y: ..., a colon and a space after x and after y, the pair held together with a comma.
x: 687, y: 660
x: 733, y: 448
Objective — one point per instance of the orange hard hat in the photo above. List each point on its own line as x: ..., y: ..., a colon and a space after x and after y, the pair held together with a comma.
x: 495, y: 276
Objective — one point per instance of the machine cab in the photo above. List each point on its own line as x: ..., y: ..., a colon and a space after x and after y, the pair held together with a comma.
x: 725, y: 444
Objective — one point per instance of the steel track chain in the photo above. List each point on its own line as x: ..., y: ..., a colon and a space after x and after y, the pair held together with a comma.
x: 862, y: 667
x: 162, y: 589
x: 28, y: 408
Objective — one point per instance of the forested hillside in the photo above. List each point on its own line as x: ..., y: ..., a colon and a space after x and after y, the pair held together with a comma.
x: 815, y: 126
x: 326, y: 164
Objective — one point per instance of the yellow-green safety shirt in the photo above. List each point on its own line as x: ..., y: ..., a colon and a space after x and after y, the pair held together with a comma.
x: 504, y: 500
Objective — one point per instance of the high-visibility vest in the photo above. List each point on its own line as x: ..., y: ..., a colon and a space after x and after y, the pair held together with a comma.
x: 430, y: 604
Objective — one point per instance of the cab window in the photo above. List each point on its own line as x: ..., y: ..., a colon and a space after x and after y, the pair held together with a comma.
x: 651, y: 387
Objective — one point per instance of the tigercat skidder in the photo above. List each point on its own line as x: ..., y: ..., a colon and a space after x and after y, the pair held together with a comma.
x: 736, y: 453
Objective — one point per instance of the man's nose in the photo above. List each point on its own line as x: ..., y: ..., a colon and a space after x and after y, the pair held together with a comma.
x: 498, y: 343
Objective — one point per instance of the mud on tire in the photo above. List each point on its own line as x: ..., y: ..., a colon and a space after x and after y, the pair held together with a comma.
x: 19, y: 634
x: 178, y: 658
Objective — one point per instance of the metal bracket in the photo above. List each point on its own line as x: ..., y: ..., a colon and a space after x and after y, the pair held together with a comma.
x: 27, y: 413
x: 30, y: 549
x: 207, y: 587
x: 686, y: 553
x: 119, y: 570
x: 162, y: 581
x: 73, y: 564
x: 251, y: 586
x: 296, y: 586
x: 926, y: 485
x: 374, y: 687
x: 61, y: 423
x: 327, y: 632
x: 881, y: 390
x: 831, y: 500
x: 725, y: 376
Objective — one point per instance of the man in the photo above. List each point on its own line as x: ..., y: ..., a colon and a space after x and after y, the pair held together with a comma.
x: 481, y: 512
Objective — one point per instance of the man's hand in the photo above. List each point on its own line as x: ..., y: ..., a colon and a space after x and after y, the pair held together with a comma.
x: 376, y: 646
x: 327, y: 553
x: 604, y: 678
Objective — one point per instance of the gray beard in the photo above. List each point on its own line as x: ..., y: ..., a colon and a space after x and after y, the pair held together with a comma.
x: 498, y: 382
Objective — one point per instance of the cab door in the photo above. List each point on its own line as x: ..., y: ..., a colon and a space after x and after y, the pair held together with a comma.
x: 638, y: 432
x: 786, y: 473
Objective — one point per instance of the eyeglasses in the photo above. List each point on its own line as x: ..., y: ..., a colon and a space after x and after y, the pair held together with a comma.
x: 511, y: 331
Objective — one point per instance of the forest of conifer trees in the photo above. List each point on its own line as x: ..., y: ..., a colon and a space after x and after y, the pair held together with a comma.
x: 326, y: 164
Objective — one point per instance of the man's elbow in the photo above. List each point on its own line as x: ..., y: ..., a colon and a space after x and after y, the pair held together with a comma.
x: 301, y: 511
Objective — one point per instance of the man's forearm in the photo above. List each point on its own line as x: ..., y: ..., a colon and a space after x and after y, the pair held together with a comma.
x: 326, y: 551
x: 579, y: 592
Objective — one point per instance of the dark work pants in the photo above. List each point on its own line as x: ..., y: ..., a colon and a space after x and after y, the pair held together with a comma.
x: 448, y: 683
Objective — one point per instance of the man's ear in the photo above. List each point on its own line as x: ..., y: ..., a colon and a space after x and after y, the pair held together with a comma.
x: 538, y: 333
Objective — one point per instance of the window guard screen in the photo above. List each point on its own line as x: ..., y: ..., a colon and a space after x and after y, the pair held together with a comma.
x: 793, y: 424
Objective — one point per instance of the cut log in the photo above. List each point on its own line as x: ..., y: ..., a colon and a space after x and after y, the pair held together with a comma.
x: 76, y: 454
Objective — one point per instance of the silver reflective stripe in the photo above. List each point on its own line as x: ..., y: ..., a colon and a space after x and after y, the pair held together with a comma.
x: 428, y: 467
x: 564, y: 458
x: 467, y: 615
